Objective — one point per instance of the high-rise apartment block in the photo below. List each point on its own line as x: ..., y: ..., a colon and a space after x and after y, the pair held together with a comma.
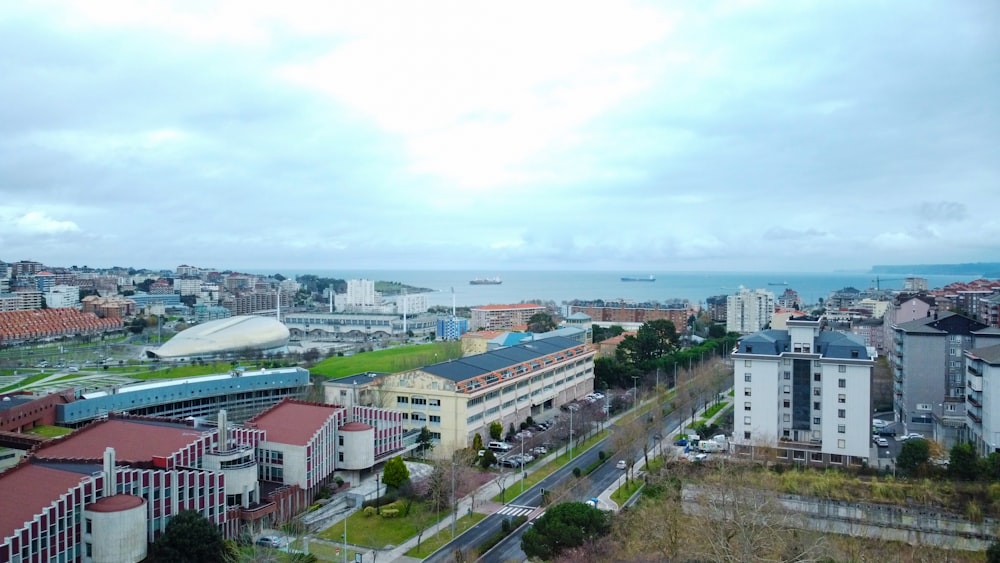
x: 804, y: 392
x: 749, y: 310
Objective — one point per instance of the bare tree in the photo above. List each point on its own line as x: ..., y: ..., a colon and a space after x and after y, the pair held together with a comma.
x: 629, y: 441
x: 749, y: 522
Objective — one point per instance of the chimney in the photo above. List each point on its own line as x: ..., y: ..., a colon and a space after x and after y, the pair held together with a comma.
x: 222, y: 435
x: 110, y: 473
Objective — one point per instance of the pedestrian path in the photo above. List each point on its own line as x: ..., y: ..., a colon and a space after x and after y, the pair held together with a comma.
x: 515, y: 511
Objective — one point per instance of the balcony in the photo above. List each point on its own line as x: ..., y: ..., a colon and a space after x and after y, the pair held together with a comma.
x: 973, y: 370
x: 257, y: 511
x: 975, y: 418
x: 973, y: 401
x: 798, y: 445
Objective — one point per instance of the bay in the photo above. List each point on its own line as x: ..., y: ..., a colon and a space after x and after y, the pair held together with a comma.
x: 560, y: 286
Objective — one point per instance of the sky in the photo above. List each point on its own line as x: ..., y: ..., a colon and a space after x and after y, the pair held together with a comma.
x: 634, y: 136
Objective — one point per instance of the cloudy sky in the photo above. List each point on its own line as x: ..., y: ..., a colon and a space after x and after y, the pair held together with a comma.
x: 647, y: 136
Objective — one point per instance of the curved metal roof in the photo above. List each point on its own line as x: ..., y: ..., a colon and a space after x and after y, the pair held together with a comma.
x: 225, y: 335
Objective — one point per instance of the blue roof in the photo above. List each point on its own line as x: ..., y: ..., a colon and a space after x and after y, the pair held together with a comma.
x: 479, y: 364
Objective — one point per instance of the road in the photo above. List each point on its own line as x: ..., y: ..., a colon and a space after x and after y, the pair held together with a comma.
x: 603, y: 477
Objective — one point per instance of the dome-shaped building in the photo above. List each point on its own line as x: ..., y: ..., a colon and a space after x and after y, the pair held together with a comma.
x: 234, y: 334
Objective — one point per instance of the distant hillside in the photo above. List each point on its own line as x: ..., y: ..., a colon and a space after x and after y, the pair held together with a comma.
x: 983, y: 269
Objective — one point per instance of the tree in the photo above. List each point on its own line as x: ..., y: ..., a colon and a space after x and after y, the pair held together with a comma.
x: 496, y: 429
x: 541, y: 322
x: 426, y: 441
x: 395, y: 472
x: 189, y: 300
x: 488, y: 459
x: 190, y: 538
x: 310, y: 355
x: 653, y: 340
x: 564, y: 526
x: 913, y: 454
x: 717, y: 331
x: 137, y: 325
x: 477, y: 442
x: 963, y: 463
x: 993, y: 552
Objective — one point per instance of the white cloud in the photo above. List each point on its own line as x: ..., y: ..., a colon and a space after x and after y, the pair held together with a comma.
x: 36, y: 222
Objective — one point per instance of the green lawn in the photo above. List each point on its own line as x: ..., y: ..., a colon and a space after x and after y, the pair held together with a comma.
x: 626, y: 491
x: 392, y: 360
x: 49, y: 431
x: 25, y: 381
x: 325, y: 552
x: 378, y: 532
x: 431, y: 544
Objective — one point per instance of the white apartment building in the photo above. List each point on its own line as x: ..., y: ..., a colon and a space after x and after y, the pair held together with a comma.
x: 749, y: 310
x: 187, y: 286
x: 503, y: 317
x: 62, y: 297
x: 361, y: 293
x: 982, y: 398
x: 804, y: 392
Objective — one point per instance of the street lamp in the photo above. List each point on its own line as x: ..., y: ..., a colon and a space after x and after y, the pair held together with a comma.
x: 635, y: 392
x: 378, y: 493
x: 571, y: 434
x: 523, y: 472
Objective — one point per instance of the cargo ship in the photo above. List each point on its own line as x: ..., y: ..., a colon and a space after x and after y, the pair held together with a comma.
x: 486, y: 281
x: 639, y: 279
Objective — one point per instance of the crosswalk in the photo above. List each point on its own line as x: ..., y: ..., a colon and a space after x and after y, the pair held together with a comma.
x: 515, y: 510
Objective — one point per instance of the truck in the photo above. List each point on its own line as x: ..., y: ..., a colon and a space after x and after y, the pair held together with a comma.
x: 710, y: 446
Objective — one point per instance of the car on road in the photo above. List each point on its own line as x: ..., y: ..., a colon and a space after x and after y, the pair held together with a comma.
x: 914, y: 436
x: 881, y: 442
x: 681, y: 442
x: 879, y: 423
x: 621, y: 464
x: 270, y: 541
x: 539, y: 450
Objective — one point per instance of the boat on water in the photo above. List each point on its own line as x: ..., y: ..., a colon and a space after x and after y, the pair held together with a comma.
x: 486, y: 281
x: 651, y: 278
x: 777, y: 283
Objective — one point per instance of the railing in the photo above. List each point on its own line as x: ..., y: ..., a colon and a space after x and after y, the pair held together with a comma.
x: 975, y: 418
x: 257, y: 511
x: 972, y: 400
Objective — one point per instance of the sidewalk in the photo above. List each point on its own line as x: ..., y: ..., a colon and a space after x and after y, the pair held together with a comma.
x: 486, y: 505
x: 604, y: 499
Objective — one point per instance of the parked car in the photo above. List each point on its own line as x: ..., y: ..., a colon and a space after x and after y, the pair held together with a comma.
x: 681, y: 442
x: 621, y: 464
x: 879, y: 423
x: 539, y: 450
x: 886, y: 431
x: 270, y: 541
x: 881, y: 442
x: 914, y: 436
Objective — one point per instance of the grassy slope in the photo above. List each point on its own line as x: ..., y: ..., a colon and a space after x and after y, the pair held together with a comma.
x: 391, y: 361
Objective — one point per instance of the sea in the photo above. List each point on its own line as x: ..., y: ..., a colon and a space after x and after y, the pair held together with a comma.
x: 452, y: 286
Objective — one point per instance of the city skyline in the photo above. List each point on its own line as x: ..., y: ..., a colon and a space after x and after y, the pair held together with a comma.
x: 722, y: 136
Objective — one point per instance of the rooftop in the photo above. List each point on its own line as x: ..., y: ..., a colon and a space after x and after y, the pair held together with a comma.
x: 134, y: 441
x: 480, y: 364
x: 27, y: 489
x: 506, y: 307
x: 293, y: 422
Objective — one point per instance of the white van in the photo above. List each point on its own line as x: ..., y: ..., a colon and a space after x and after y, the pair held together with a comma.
x: 500, y: 446
x: 710, y: 446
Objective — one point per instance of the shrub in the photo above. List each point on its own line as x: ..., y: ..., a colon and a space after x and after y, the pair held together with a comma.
x: 577, y: 471
x: 390, y: 512
x: 369, y: 511
x: 601, y: 455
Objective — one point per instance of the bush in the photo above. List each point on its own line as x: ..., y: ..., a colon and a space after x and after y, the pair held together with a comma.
x: 390, y: 512
x: 369, y: 511
x: 601, y: 455
x: 577, y: 472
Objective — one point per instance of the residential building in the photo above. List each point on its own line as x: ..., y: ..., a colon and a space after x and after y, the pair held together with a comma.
x: 115, y: 306
x: 788, y: 300
x: 459, y: 398
x: 187, y: 286
x: 749, y: 311
x: 45, y: 324
x: 794, y: 389
x: 451, y: 327
x: 361, y: 293
x: 716, y: 307
x: 44, y: 281
x: 25, y: 268
x: 21, y: 300
x: 989, y: 311
x: 929, y: 372
x: 503, y: 317
x: 904, y: 308
x: 62, y: 296
x: 982, y: 406
x: 204, y: 313
x: 622, y: 312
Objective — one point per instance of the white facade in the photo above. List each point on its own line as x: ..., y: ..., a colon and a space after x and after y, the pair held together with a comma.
x: 62, y: 297
x: 361, y: 293
x: 749, y: 310
x: 982, y: 407
x: 410, y: 304
x: 805, y: 392
x: 187, y: 286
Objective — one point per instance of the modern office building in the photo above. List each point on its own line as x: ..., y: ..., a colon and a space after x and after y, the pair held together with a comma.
x: 929, y: 373
x: 503, y: 317
x: 749, y: 311
x: 805, y: 393
x: 459, y: 398
x: 982, y: 399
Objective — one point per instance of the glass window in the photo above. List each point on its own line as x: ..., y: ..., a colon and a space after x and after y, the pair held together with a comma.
x: 816, y: 405
x: 786, y: 404
x: 746, y: 363
x: 842, y: 368
x: 817, y: 377
x: 746, y: 377
x: 746, y: 392
x: 787, y: 375
x: 842, y: 383
x: 746, y: 435
x: 746, y: 420
x: 842, y: 429
x: 786, y: 417
x: 746, y: 406
x: 841, y: 413
x: 841, y: 444
x: 841, y: 398
x: 815, y: 420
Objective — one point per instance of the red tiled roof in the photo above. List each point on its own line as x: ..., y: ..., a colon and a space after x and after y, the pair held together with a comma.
x: 133, y: 441
x: 116, y: 503
x: 29, y: 488
x: 504, y: 307
x: 294, y: 423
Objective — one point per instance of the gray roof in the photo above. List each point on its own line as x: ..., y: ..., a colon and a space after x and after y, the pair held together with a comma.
x: 946, y: 323
x: 988, y: 354
x: 579, y: 316
x: 829, y: 344
x: 479, y: 364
